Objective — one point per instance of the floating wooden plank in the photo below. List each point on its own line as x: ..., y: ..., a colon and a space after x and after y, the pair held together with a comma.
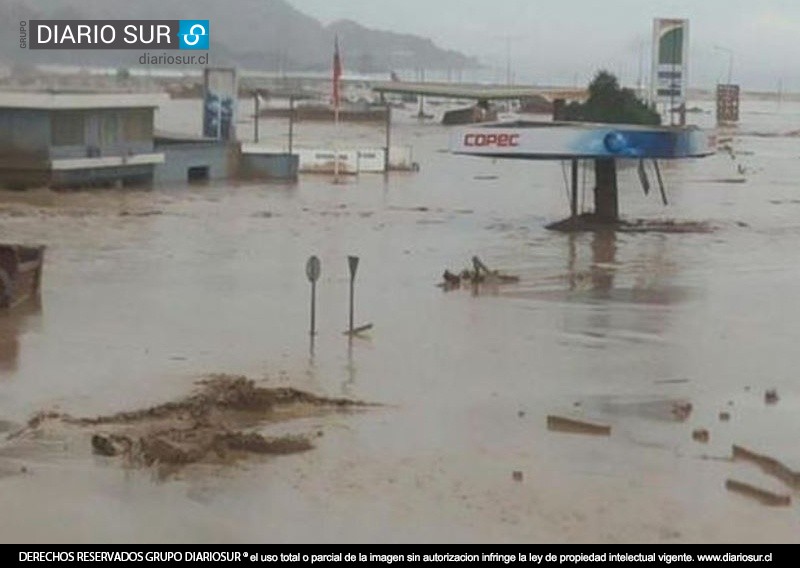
x: 360, y: 329
x: 572, y: 426
x: 769, y: 465
x: 761, y: 495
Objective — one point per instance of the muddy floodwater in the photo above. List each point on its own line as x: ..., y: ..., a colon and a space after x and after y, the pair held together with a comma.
x: 674, y: 347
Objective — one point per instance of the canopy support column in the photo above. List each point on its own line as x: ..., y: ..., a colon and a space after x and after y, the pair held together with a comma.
x: 573, y: 204
x: 606, y: 202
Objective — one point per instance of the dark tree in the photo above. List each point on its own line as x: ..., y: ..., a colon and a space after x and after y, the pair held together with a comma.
x: 608, y: 102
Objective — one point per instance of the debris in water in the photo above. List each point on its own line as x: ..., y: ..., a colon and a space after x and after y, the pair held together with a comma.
x: 102, y: 445
x: 479, y: 274
x: 730, y: 179
x: 761, y: 495
x: 701, y: 435
x: 569, y: 425
x: 671, y: 381
x: 451, y: 280
x: 724, y: 416
x: 258, y: 444
x: 771, y: 396
x: 516, y: 475
x: 146, y: 213
x: 681, y: 410
x: 359, y: 330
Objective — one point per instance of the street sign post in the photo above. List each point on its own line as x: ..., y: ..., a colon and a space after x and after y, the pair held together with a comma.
x: 313, y: 268
x: 352, y: 262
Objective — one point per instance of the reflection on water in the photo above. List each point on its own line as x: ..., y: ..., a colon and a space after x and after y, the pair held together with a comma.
x: 604, y: 253
x: 611, y: 288
x: 350, y: 368
x: 643, y: 279
x: 14, y: 323
x: 602, y: 267
x: 600, y: 274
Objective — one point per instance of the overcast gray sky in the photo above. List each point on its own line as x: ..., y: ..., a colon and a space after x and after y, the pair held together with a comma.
x: 562, y: 41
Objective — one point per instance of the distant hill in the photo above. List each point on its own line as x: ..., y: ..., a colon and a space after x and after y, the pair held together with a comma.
x: 259, y: 34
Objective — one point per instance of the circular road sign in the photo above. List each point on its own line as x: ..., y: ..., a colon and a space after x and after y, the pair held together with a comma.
x: 313, y: 269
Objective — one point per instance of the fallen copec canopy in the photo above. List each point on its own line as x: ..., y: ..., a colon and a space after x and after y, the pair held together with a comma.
x: 570, y: 140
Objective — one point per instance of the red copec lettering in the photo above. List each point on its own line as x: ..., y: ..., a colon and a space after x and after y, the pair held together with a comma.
x: 498, y: 140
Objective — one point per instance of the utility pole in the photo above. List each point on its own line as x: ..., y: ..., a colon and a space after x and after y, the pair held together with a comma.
x: 508, y: 60
x: 730, y: 61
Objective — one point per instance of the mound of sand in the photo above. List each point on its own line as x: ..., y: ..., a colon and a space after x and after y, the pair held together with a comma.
x: 208, y: 426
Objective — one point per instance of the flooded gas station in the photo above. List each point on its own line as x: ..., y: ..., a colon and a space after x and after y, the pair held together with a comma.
x: 655, y: 336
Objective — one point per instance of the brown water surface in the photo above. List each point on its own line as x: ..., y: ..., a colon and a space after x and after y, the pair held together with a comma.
x: 146, y: 291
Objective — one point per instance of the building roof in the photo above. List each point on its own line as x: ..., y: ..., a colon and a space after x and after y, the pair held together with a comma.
x: 475, y: 91
x: 79, y: 101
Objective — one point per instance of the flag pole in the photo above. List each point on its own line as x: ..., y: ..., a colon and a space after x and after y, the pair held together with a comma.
x: 336, y: 142
x: 337, y: 72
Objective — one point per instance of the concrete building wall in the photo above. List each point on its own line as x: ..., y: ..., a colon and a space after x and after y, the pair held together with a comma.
x: 24, y: 134
x: 136, y: 175
x: 275, y: 166
x: 24, y: 143
x: 32, y: 140
x: 351, y: 161
x: 184, y: 158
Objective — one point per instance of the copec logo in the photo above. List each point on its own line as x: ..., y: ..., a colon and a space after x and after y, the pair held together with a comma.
x: 193, y: 34
x: 493, y: 139
x: 119, y: 34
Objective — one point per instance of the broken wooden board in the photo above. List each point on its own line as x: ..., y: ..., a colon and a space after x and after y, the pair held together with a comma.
x: 358, y: 330
x: 769, y: 465
x: 761, y: 495
x: 572, y: 426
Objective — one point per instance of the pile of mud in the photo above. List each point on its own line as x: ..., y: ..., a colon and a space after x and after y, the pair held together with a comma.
x: 209, y: 426
x: 591, y: 222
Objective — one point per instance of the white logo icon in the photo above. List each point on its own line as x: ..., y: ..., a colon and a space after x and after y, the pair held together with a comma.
x: 194, y: 34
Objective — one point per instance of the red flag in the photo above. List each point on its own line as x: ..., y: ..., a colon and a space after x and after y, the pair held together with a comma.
x: 337, y: 72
